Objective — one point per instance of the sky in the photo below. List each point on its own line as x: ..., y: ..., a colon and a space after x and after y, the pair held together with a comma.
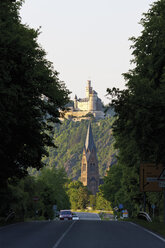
x: 87, y: 39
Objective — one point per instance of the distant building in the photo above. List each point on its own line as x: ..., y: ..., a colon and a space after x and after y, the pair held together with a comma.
x: 89, y: 168
x: 84, y: 107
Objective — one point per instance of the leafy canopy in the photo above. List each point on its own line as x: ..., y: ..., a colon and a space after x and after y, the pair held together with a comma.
x: 139, y: 129
x: 31, y: 95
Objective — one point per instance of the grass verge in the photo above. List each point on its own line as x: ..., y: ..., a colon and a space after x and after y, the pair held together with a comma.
x: 157, y: 227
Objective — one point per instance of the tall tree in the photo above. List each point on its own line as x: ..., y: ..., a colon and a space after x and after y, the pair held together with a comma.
x: 31, y: 95
x: 139, y: 128
x: 73, y: 189
x: 56, y: 180
x: 83, y: 197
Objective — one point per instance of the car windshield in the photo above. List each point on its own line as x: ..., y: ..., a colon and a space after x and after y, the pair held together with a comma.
x: 65, y: 212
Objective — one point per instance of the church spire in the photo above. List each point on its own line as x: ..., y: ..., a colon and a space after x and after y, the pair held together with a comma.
x: 89, y: 167
x: 89, y: 144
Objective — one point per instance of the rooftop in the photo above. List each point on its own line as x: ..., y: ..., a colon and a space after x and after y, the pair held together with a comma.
x: 89, y: 144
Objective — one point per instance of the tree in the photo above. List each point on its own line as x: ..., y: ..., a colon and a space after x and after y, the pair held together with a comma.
x: 31, y: 95
x: 83, y: 197
x: 139, y: 128
x: 73, y: 188
x: 112, y: 184
x: 78, y: 195
x: 36, y: 193
x: 101, y: 202
x: 92, y: 201
x: 56, y: 180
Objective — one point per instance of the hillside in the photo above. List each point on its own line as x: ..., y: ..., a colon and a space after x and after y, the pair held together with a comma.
x: 69, y: 137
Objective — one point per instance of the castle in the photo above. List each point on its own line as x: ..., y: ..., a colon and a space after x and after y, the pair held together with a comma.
x: 83, y: 108
x: 89, y: 167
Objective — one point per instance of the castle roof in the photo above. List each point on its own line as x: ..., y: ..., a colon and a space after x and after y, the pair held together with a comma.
x: 89, y: 144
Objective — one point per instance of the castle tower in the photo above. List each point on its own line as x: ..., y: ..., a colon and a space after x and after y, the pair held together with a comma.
x: 75, y: 102
x: 93, y: 101
x: 89, y: 167
x: 88, y: 89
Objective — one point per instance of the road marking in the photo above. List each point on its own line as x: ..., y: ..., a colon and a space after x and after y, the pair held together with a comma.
x: 64, y: 234
x: 154, y: 234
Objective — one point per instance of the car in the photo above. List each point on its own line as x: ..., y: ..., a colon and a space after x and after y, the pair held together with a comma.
x: 65, y: 215
x: 74, y: 217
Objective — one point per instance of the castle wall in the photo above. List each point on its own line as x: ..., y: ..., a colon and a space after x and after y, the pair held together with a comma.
x: 83, y: 106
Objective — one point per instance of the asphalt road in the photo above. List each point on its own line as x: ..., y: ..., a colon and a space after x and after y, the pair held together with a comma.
x: 78, y: 234
x: 87, y: 216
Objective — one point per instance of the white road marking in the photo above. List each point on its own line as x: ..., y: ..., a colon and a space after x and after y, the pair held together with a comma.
x: 63, y: 235
x: 154, y: 234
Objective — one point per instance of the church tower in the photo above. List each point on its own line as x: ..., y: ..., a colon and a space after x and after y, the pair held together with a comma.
x: 89, y: 167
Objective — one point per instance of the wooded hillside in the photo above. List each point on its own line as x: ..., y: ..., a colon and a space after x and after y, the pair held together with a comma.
x: 69, y: 137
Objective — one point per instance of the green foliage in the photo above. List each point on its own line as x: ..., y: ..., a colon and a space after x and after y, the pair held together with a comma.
x: 102, y: 203
x: 112, y: 184
x: 139, y: 129
x: 48, y: 188
x: 121, y: 185
x: 70, y: 139
x: 92, y: 201
x: 83, y: 197
x: 56, y: 180
x: 80, y: 198
x: 30, y: 95
x: 140, y: 108
x: 78, y: 195
x: 90, y: 115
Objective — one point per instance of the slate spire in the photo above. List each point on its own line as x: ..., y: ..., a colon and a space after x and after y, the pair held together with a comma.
x: 89, y: 166
x: 89, y: 144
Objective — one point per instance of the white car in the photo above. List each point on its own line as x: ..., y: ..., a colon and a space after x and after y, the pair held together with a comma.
x: 74, y: 217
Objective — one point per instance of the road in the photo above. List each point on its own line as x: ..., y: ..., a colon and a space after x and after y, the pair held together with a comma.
x: 78, y: 234
x: 87, y: 216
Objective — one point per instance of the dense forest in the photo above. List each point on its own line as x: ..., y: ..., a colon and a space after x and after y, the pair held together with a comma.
x: 70, y: 139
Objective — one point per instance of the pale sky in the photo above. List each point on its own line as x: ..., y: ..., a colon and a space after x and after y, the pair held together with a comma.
x: 87, y: 39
